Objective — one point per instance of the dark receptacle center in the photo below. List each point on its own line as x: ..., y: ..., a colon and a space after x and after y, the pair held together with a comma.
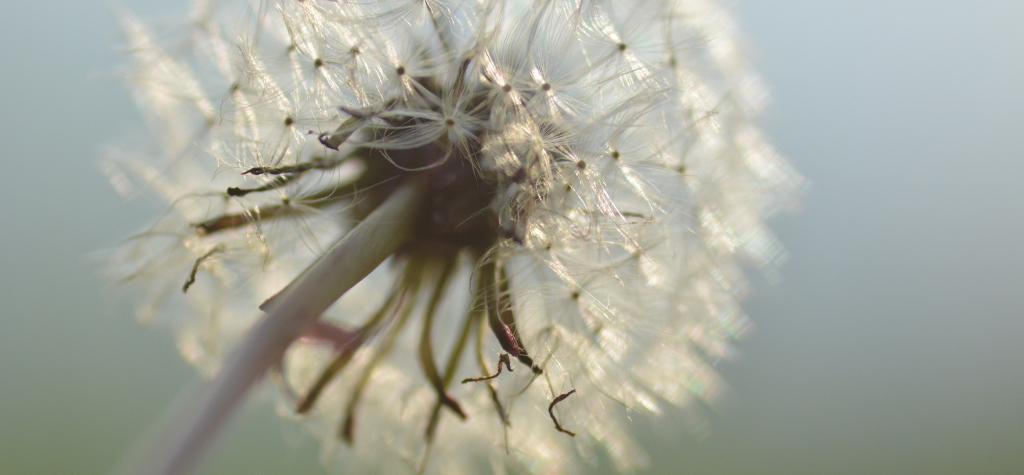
x: 456, y: 210
x: 457, y: 218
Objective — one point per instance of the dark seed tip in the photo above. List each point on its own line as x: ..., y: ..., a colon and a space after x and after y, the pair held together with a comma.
x: 347, y: 430
x: 325, y: 140
x: 452, y: 404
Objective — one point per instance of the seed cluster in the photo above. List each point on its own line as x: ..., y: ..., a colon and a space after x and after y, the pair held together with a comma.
x: 588, y: 175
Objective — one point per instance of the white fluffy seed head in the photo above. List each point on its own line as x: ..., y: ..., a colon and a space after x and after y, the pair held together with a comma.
x: 623, y: 179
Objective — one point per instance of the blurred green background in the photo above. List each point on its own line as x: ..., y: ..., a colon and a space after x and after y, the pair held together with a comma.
x: 894, y: 343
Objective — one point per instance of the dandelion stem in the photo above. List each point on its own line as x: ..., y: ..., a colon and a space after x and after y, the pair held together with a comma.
x: 299, y: 304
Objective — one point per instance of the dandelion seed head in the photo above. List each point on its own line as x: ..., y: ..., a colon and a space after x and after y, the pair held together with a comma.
x: 591, y: 178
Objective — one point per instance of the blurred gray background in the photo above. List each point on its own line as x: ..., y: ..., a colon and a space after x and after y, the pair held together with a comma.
x: 894, y: 343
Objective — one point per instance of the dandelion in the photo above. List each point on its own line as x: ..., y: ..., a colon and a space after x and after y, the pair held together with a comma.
x: 381, y: 204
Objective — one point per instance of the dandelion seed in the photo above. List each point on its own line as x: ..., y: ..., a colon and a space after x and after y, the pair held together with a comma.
x: 410, y: 188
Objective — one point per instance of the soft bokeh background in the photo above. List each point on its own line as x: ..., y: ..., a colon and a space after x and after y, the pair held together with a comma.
x: 894, y: 343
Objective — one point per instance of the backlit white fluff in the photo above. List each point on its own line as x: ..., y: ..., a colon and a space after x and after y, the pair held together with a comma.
x: 623, y: 179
